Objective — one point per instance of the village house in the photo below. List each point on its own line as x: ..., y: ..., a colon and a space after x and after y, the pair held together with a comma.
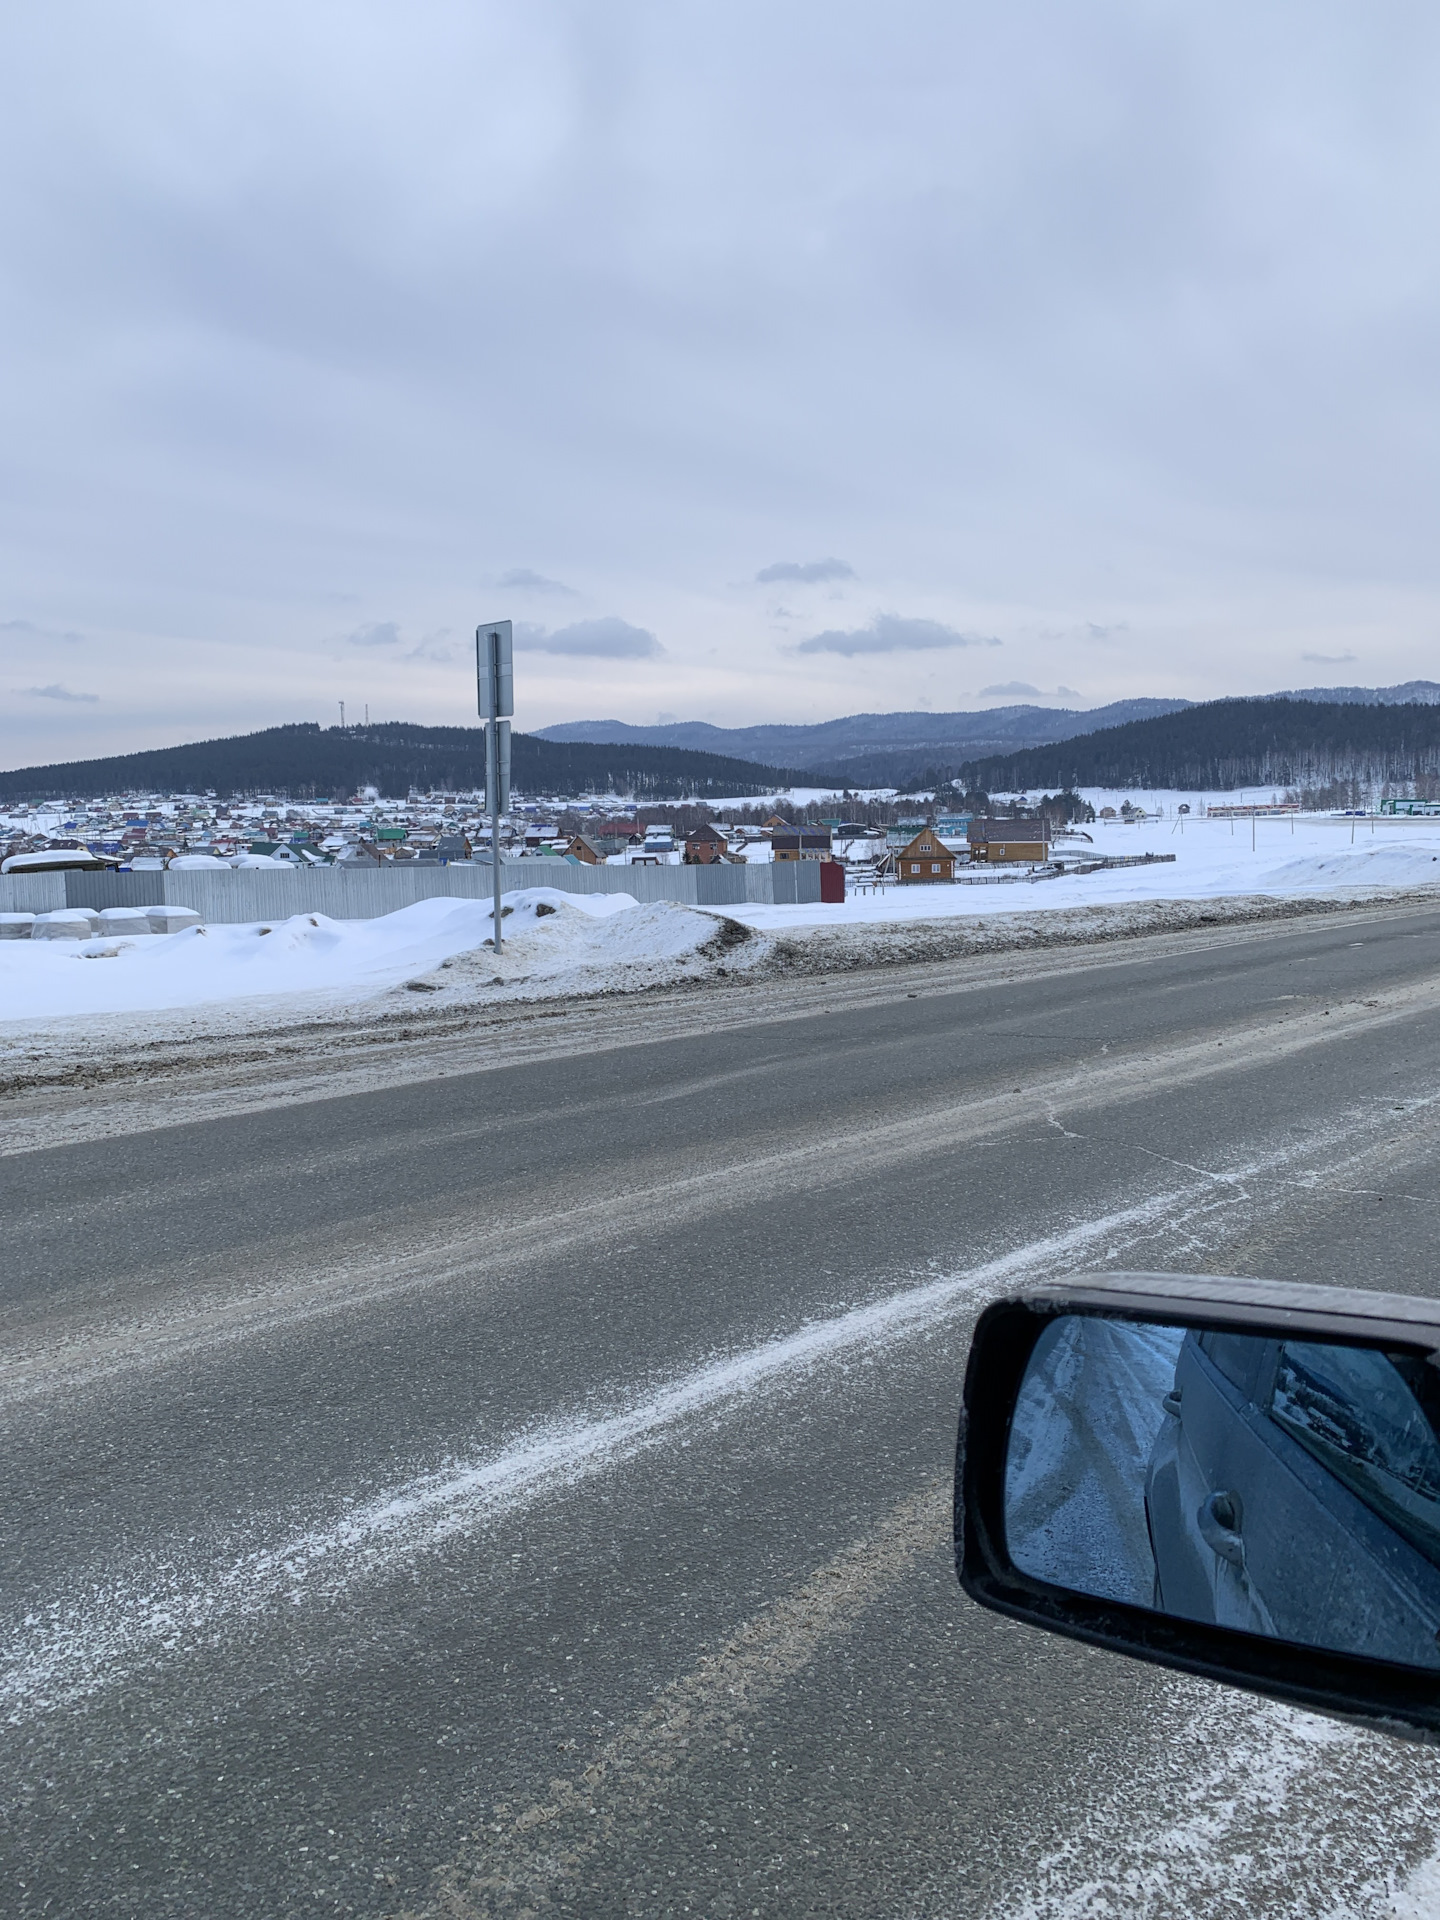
x: 581, y: 848
x: 809, y: 843
x: 925, y: 858
x: 706, y: 846
x: 1026, y: 842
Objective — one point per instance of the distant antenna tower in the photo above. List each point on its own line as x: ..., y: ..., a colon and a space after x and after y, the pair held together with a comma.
x: 342, y: 716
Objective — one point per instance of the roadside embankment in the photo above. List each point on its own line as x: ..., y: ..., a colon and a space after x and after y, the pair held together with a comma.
x: 568, y: 985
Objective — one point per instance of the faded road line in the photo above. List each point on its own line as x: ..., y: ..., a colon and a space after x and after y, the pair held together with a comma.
x: 517, y: 1855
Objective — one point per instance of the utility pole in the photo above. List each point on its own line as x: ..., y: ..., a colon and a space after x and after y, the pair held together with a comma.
x: 495, y: 693
x: 342, y: 716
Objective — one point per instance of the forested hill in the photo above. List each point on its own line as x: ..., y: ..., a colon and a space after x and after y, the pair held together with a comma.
x: 308, y: 761
x: 871, y: 749
x: 1231, y: 743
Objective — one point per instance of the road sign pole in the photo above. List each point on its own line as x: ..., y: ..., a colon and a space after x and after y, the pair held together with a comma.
x: 495, y: 689
x: 492, y: 781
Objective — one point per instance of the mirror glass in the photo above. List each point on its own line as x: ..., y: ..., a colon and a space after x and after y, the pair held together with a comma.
x: 1284, y: 1487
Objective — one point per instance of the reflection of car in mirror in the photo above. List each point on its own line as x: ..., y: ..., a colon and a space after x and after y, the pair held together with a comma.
x: 1265, y: 1443
x: 1240, y: 1478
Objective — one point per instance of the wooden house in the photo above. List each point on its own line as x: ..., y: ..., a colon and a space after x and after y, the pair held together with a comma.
x: 583, y: 850
x: 924, y: 859
x: 806, y: 843
x: 1026, y: 842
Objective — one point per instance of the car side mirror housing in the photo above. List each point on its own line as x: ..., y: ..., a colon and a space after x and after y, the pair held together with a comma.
x: 1237, y: 1478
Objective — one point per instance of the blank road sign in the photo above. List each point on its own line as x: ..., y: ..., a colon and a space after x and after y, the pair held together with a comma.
x: 495, y: 662
x: 497, y: 766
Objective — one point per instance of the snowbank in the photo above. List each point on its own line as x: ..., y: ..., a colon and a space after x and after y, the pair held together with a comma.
x: 545, y: 931
x: 1085, y: 1424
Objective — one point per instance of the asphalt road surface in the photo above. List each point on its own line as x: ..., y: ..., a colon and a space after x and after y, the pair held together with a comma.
x: 526, y: 1491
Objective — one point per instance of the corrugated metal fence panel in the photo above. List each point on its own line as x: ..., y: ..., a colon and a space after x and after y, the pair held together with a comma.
x: 32, y: 892
x: 785, y: 883
x: 363, y: 893
x: 250, y: 893
x: 720, y: 885
x: 145, y: 889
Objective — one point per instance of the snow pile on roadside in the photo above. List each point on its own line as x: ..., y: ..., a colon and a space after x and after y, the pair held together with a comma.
x: 606, y: 938
x: 566, y: 946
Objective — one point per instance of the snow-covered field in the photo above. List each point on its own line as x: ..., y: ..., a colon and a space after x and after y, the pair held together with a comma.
x: 1312, y: 855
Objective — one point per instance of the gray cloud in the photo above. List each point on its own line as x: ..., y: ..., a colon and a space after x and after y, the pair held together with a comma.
x: 607, y: 639
x: 889, y: 633
x: 808, y: 572
x: 1329, y: 659
x: 1022, y: 690
x: 438, y: 648
x: 527, y: 581
x: 27, y: 630
x: 1027, y: 305
x: 54, y: 692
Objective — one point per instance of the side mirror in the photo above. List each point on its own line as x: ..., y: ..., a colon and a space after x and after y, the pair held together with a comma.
x: 1237, y: 1478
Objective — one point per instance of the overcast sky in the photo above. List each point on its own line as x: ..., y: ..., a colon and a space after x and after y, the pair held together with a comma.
x: 762, y: 361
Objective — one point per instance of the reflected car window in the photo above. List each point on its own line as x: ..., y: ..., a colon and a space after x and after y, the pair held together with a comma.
x: 1353, y: 1410
x: 1237, y: 1355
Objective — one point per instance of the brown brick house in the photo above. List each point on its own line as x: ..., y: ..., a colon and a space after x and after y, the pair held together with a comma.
x: 706, y: 846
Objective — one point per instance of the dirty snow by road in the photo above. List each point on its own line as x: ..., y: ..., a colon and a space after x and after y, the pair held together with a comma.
x: 545, y: 931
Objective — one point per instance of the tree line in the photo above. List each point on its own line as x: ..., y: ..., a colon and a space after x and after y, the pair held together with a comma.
x: 1301, y: 744
x: 310, y: 762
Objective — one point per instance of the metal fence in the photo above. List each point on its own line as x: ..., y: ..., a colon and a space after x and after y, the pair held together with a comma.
x: 240, y: 894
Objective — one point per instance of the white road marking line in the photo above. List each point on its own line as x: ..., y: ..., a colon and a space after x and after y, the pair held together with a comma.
x: 160, y: 1609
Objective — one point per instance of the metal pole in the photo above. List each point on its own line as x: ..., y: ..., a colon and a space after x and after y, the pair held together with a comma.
x: 492, y: 776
